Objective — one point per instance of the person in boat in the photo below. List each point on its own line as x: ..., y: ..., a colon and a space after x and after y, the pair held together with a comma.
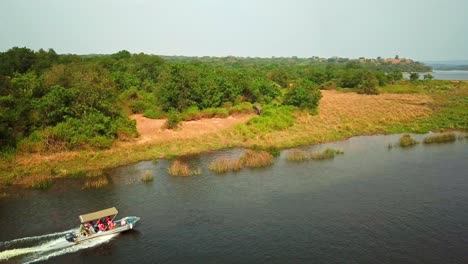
x: 110, y: 224
x: 89, y: 228
x: 101, y: 226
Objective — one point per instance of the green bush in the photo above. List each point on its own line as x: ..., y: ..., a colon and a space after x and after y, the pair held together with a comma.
x: 153, y: 113
x: 242, y: 108
x: 173, y: 120
x: 304, y: 94
x: 215, y: 112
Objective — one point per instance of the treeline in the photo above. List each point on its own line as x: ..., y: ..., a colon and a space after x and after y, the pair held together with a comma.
x: 51, y: 102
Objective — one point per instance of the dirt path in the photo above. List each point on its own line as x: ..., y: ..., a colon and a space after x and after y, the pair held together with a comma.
x: 152, y: 129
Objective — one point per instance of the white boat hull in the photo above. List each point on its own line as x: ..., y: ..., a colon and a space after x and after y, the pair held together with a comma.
x: 130, y: 223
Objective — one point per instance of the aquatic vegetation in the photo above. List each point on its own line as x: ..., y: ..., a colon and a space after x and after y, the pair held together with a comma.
x: 329, y: 153
x: 256, y: 159
x: 96, y: 183
x: 298, y: 155
x: 180, y: 168
x: 441, y: 138
x: 42, y: 183
x: 407, y: 141
x: 147, y: 176
x: 222, y: 165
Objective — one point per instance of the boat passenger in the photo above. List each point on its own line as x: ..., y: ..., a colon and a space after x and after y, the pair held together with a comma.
x: 101, y: 226
x: 110, y: 224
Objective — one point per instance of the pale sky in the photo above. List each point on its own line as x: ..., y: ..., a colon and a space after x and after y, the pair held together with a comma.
x: 422, y: 30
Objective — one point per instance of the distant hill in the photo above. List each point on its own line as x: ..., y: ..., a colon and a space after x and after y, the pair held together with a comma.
x: 448, y: 65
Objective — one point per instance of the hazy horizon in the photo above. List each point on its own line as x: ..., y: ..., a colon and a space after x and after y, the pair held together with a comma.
x: 433, y: 31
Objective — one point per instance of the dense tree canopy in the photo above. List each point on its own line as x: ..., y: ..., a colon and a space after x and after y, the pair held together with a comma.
x: 52, y: 102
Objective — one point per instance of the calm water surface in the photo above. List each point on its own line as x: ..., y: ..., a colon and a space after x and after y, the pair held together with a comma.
x: 370, y: 205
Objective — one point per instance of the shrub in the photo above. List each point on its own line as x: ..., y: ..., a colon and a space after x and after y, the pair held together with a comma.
x: 153, y: 113
x: 442, y: 138
x: 192, y: 113
x: 407, y: 141
x: 173, y: 120
x: 147, y: 176
x: 304, y: 94
x: 242, y: 108
x: 256, y: 159
x: 215, y: 112
x: 330, y: 85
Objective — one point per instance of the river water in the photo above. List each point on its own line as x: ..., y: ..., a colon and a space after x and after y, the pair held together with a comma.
x: 370, y: 205
x: 444, y: 75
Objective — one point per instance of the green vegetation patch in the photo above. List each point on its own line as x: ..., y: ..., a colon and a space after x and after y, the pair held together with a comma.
x: 407, y: 141
x: 442, y: 138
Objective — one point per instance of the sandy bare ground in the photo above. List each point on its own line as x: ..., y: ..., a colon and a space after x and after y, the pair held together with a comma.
x: 152, y: 130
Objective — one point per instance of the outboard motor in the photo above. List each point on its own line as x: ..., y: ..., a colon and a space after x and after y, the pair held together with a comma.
x: 70, y: 237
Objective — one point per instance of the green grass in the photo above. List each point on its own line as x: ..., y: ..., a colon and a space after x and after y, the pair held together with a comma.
x: 273, y: 118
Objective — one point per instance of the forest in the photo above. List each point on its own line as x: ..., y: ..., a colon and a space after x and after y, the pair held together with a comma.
x: 53, y: 102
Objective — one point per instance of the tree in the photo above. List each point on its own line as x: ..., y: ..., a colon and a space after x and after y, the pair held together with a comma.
x: 304, y: 94
x: 369, y: 84
x: 428, y: 76
x: 414, y: 76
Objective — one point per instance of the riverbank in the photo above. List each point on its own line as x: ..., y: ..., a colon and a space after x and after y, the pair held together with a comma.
x: 433, y: 106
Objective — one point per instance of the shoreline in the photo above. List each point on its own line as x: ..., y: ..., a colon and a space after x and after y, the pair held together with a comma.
x: 341, y: 116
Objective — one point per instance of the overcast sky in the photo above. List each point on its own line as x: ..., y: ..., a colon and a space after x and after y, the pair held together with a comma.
x: 423, y: 30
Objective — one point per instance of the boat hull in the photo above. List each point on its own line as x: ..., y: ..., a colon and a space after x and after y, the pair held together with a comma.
x: 130, y: 222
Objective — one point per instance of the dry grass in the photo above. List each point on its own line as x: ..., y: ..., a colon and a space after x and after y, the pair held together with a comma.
x: 407, y: 141
x: 297, y: 155
x: 223, y: 165
x: 147, y: 176
x: 256, y: 159
x: 180, y: 168
x: 441, y: 138
x: 96, y: 183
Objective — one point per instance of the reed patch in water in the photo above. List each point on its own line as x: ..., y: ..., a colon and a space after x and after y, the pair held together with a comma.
x: 42, y: 183
x: 147, y: 176
x: 298, y: 155
x: 223, y: 165
x: 96, y: 183
x: 407, y: 141
x: 180, y: 168
x: 256, y: 159
x: 441, y: 138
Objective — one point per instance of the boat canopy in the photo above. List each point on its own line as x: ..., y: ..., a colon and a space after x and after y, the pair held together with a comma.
x: 98, y: 215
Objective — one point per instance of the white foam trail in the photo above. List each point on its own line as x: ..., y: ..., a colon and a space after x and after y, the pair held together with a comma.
x: 50, y: 245
x: 52, y: 248
x: 75, y: 247
x: 33, y: 238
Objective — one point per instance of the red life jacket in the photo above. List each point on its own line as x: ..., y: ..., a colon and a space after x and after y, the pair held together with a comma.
x: 101, y: 227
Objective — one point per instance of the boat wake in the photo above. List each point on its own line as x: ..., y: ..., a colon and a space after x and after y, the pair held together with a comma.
x: 40, y: 248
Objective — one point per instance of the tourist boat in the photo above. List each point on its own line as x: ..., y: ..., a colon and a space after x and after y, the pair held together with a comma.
x: 88, y: 228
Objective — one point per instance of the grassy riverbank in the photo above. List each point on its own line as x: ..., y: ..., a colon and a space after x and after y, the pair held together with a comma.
x: 407, y: 107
